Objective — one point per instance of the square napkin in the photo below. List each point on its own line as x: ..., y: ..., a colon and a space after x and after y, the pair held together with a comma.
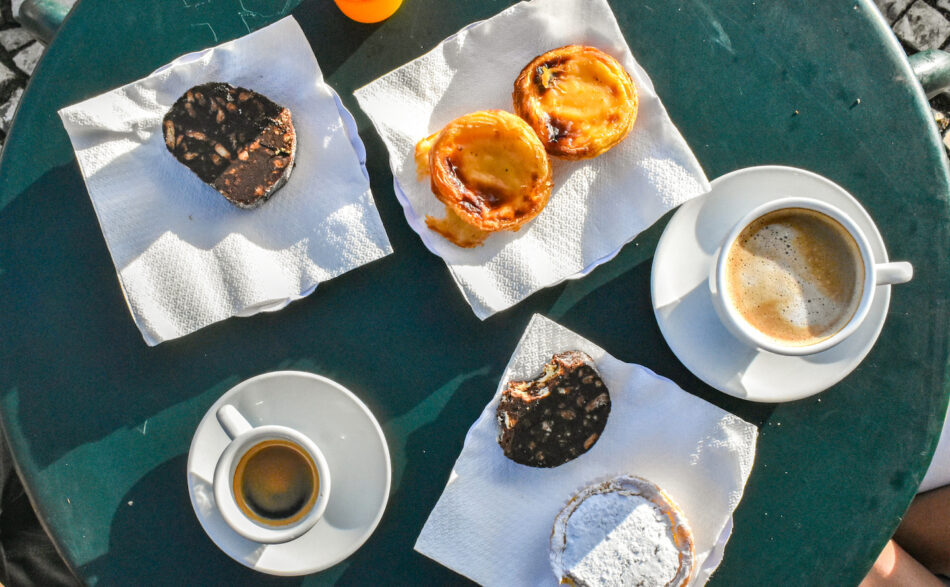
x: 597, y: 205
x: 493, y: 521
x: 184, y: 255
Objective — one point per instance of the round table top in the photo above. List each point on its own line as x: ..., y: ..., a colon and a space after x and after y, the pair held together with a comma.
x: 100, y: 424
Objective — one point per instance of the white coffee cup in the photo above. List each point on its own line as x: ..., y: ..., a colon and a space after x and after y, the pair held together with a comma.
x: 233, y: 504
x: 874, y: 274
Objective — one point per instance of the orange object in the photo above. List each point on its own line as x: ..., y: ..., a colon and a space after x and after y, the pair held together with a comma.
x: 368, y: 10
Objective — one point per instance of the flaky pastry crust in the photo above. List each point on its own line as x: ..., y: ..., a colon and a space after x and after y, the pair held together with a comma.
x: 579, y: 100
x: 491, y: 172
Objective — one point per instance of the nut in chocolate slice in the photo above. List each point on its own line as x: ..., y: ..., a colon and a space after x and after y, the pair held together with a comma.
x: 556, y: 417
x: 237, y: 141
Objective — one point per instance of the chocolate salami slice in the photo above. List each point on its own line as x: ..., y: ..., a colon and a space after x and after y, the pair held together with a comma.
x: 236, y: 140
x: 556, y: 417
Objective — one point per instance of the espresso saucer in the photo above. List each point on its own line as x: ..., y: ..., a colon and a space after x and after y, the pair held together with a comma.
x: 683, y: 305
x: 352, y: 443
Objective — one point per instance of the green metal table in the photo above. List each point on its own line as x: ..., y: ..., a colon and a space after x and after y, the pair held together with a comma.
x: 100, y: 424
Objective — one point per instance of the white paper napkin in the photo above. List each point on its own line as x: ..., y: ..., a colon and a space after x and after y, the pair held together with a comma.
x: 597, y: 205
x: 493, y: 521
x: 185, y: 256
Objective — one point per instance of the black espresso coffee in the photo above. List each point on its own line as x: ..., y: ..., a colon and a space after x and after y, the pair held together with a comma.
x: 796, y: 275
x: 276, y: 482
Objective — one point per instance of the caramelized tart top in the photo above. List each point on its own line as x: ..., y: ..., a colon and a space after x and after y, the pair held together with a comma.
x: 491, y: 172
x: 579, y: 100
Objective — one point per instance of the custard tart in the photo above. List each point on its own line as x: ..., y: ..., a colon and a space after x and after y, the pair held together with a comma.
x: 579, y: 100
x: 491, y: 172
x: 625, y: 531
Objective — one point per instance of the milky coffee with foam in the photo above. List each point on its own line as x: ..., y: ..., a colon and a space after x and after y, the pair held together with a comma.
x: 796, y: 275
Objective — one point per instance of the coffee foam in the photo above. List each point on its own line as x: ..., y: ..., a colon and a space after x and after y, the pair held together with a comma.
x: 795, y: 275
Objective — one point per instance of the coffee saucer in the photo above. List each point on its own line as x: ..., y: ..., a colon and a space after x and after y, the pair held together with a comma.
x: 352, y: 443
x: 683, y: 305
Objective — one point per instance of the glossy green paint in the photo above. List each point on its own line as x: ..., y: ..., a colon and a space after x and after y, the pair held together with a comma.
x: 43, y: 18
x: 932, y: 70
x: 100, y: 424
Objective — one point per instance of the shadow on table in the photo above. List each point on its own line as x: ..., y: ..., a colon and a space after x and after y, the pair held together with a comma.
x: 66, y: 328
x: 68, y: 296
x: 341, y: 40
x: 431, y: 443
x: 624, y: 284
x: 60, y: 290
x: 156, y: 540
x: 331, y: 44
x: 155, y: 536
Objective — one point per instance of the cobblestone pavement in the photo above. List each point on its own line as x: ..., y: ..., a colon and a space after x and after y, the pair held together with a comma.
x: 921, y: 25
x: 19, y: 53
x: 918, y: 24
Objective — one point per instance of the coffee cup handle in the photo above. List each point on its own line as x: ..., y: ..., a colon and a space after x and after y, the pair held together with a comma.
x: 232, y: 421
x: 893, y: 273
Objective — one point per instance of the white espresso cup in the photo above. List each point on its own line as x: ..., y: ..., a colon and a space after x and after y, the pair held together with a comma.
x: 271, y: 483
x: 779, y: 275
